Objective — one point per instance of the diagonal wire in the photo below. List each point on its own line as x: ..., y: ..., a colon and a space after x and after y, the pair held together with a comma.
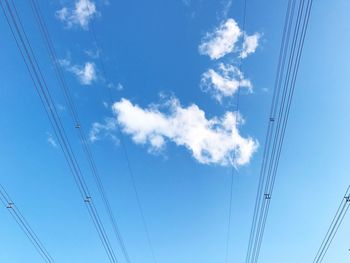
x: 130, y: 170
x: 68, y: 98
x: 24, y: 225
x: 271, y: 156
x: 334, y: 226
x: 40, y: 85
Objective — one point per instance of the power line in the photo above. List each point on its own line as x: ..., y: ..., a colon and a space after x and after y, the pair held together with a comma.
x: 334, y: 226
x: 31, y: 63
x: 6, y: 200
x: 233, y: 168
x: 125, y: 151
x: 280, y: 108
x: 79, y: 127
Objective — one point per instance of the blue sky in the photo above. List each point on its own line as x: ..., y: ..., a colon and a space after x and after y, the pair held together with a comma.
x: 157, y: 57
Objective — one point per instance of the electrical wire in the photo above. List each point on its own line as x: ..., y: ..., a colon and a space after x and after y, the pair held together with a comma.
x: 334, y: 226
x: 233, y: 168
x: 31, y: 63
x: 77, y: 123
x: 125, y: 151
x: 6, y: 200
x: 282, y: 104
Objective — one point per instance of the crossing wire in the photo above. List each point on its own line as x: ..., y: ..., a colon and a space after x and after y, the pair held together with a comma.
x: 36, y: 75
x: 77, y: 123
x: 282, y: 104
x: 334, y: 226
x: 6, y: 200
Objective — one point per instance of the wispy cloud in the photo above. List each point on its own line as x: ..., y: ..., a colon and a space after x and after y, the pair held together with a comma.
x: 85, y: 73
x: 93, y: 53
x: 104, y: 130
x: 250, y: 44
x: 221, y: 41
x: 79, y: 15
x: 51, y: 140
x: 211, y: 141
x: 186, y: 2
x: 226, y: 8
x: 118, y: 86
x: 224, y: 82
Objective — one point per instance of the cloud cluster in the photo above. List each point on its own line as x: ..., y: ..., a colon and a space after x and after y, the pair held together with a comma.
x: 225, y: 39
x: 224, y: 82
x: 85, y: 73
x: 215, y: 140
x: 211, y: 141
x: 79, y: 15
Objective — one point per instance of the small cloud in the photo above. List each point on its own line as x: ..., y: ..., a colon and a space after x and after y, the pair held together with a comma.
x: 222, y: 40
x: 104, y: 130
x: 95, y: 54
x: 118, y: 87
x: 211, y: 141
x: 51, y: 140
x: 228, y: 38
x: 224, y: 82
x: 85, y: 73
x: 105, y: 104
x: 79, y: 15
x: 61, y: 107
x: 250, y: 44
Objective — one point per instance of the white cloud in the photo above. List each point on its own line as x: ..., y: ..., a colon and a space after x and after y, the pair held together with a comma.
x: 79, y: 15
x: 93, y: 53
x: 51, y: 140
x: 85, y: 73
x: 118, y: 87
x: 224, y: 82
x: 211, y: 141
x: 250, y: 44
x: 221, y: 41
x: 107, y: 129
x: 227, y: 38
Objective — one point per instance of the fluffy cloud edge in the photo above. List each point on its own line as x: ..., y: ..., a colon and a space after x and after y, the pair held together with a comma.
x: 224, y: 81
x: 79, y: 15
x: 86, y: 73
x: 250, y: 44
x: 210, y: 141
x: 228, y: 38
x: 221, y: 41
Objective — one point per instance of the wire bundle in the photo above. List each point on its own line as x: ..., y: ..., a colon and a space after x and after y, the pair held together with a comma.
x: 294, y: 32
x: 41, y: 87
x: 333, y: 228
x: 76, y: 121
